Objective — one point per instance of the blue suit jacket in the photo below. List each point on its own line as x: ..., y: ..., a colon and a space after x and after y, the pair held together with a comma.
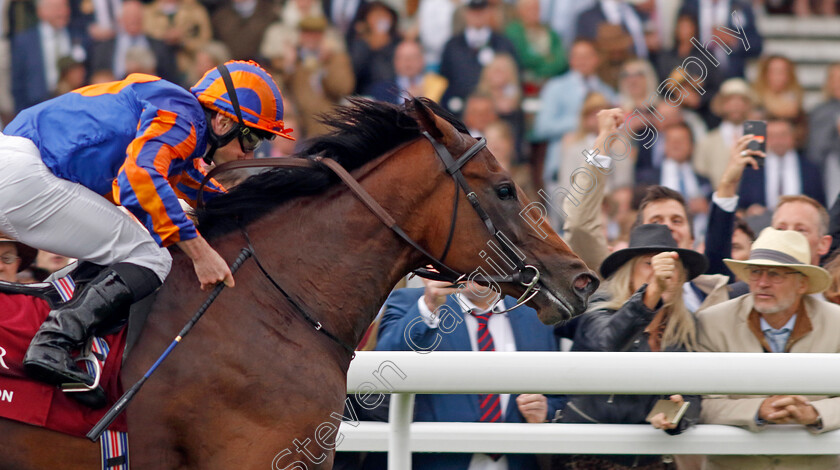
x: 29, y: 79
x: 589, y: 21
x: 752, y: 190
x: 402, y: 314
x: 738, y: 58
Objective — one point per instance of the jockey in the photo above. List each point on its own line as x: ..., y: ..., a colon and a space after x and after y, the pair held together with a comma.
x: 136, y: 143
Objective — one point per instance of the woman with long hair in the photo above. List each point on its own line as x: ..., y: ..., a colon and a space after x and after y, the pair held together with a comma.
x: 777, y: 87
x: 643, y: 311
x: 780, y: 94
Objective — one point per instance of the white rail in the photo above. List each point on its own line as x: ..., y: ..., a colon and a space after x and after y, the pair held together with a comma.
x: 406, y: 373
x: 574, y: 372
x: 550, y: 438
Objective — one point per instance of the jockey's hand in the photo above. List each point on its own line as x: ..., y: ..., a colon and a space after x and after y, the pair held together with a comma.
x: 210, y: 268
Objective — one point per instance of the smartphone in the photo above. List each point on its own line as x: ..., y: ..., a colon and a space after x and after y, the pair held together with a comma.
x: 673, y: 411
x: 759, y: 130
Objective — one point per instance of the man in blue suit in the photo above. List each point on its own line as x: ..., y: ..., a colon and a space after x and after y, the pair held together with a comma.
x: 36, y: 51
x: 730, y: 49
x: 785, y: 171
x: 617, y: 13
x: 461, y: 323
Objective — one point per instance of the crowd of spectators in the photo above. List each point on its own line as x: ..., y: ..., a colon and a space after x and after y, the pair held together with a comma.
x: 543, y: 68
x: 540, y: 79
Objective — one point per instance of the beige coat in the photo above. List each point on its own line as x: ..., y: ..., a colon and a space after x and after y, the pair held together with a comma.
x: 712, y: 156
x: 191, y: 20
x: 732, y: 327
x: 318, y: 87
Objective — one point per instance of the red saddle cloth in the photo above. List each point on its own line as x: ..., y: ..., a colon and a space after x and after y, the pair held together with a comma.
x: 27, y: 401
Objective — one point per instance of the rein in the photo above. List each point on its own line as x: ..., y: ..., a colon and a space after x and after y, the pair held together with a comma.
x: 315, y: 324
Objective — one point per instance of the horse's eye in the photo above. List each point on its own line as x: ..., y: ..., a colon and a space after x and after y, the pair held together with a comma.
x: 505, y: 192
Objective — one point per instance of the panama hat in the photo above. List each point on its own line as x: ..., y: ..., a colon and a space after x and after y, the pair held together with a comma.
x: 783, y: 248
x: 732, y: 87
x: 27, y: 253
x: 654, y: 238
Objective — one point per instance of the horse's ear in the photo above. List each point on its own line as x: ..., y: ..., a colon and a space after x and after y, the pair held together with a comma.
x: 426, y: 118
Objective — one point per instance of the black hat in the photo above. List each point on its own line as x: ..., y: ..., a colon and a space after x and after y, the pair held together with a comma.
x: 477, y: 4
x: 654, y: 238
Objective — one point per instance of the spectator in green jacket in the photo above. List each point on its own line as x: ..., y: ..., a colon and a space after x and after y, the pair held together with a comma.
x: 539, y: 49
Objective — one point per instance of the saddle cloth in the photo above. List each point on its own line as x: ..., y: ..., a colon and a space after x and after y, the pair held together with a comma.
x: 38, y: 404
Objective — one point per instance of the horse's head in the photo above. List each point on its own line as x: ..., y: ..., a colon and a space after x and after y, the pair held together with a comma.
x: 519, y: 244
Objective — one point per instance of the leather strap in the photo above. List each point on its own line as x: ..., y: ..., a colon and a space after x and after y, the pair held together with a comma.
x: 358, y: 191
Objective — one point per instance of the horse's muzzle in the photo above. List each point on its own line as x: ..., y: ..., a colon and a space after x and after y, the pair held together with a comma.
x: 584, y: 285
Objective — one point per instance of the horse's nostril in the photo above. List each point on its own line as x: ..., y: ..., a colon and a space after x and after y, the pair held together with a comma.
x: 585, y: 284
x: 582, y: 282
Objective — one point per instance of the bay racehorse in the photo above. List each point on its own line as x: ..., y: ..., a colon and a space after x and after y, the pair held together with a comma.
x: 254, y: 376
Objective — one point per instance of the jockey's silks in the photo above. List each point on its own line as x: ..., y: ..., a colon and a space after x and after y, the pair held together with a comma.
x: 138, y: 141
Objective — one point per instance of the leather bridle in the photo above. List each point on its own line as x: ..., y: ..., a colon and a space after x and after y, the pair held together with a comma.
x: 453, y: 167
x: 444, y: 272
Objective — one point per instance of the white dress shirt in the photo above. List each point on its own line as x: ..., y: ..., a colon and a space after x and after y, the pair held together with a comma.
x: 673, y: 171
x: 781, y: 177
x: 713, y: 14
x: 107, y: 12
x: 691, y: 300
x: 55, y: 44
x: 503, y: 340
x: 123, y: 43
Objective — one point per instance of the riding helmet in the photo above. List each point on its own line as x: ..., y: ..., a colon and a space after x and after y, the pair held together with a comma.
x: 259, y: 98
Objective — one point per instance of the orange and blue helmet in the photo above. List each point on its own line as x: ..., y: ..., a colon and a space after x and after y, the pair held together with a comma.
x: 259, y: 100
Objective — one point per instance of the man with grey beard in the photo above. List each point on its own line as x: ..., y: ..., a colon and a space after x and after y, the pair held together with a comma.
x: 777, y: 316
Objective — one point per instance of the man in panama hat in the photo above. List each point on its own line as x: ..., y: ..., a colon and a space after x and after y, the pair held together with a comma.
x: 777, y: 316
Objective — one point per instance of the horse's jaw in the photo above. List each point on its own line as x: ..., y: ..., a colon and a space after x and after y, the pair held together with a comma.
x: 552, y: 307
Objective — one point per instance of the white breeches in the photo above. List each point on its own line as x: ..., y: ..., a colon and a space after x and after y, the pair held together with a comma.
x: 49, y: 213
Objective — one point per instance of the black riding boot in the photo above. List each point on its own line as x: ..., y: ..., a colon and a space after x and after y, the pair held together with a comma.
x: 69, y: 326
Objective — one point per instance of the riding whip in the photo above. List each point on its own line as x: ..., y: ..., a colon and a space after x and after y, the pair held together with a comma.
x: 124, y: 400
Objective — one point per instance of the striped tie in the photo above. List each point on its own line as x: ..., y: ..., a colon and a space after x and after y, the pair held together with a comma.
x: 489, y: 406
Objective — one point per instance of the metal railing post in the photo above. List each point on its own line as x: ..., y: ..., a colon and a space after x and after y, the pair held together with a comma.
x: 400, y: 416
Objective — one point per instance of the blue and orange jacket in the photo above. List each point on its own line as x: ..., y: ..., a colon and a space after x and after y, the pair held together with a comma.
x: 137, y: 142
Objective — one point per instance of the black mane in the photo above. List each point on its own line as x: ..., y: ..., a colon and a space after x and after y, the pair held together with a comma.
x: 362, y: 131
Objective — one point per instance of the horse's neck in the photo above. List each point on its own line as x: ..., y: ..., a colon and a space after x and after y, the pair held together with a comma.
x: 334, y: 257
x: 339, y: 269
x: 328, y: 252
